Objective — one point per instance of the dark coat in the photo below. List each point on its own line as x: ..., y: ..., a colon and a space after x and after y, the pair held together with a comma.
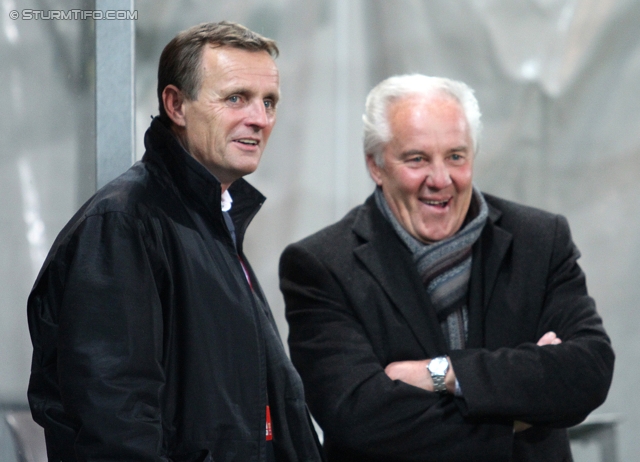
x: 355, y: 303
x: 149, y: 343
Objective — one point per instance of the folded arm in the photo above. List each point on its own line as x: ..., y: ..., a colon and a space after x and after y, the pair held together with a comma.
x: 355, y: 402
x: 553, y: 383
x: 415, y: 373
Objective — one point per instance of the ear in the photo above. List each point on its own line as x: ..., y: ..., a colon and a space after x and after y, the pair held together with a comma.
x: 173, y: 100
x: 375, y: 171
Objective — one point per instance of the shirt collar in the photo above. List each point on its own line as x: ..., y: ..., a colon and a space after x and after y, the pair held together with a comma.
x: 226, y: 201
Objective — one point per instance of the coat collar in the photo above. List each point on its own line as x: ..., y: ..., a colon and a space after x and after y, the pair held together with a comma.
x: 488, y: 255
x: 390, y: 263
x: 194, y: 181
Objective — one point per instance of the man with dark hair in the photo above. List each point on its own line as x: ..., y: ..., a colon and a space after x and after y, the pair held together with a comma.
x: 152, y: 338
x: 435, y: 322
x: 180, y: 60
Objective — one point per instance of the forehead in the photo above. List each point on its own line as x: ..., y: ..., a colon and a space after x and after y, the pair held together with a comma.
x: 229, y: 66
x: 425, y: 109
x: 434, y: 115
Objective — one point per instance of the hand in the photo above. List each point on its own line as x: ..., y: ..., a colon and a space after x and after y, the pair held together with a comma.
x: 412, y: 372
x: 549, y: 338
x: 415, y: 373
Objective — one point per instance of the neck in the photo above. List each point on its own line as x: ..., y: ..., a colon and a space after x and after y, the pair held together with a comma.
x: 180, y: 135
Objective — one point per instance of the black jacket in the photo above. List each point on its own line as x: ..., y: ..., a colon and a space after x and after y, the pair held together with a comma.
x: 355, y: 303
x: 149, y: 343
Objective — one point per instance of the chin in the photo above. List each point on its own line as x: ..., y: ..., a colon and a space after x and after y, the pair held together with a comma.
x: 246, y: 171
x: 251, y: 168
x: 436, y: 236
x: 251, y: 164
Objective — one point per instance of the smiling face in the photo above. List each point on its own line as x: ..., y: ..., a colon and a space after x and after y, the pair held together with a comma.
x: 227, y: 127
x: 427, y: 170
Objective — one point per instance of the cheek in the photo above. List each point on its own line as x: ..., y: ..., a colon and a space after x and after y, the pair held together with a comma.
x: 463, y: 178
x: 197, y: 138
x: 409, y: 180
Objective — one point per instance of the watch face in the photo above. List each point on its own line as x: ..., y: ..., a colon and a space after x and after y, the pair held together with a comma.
x: 439, y: 365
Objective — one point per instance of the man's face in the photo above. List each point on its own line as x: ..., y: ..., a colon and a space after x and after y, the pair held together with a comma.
x: 227, y: 127
x: 428, y: 165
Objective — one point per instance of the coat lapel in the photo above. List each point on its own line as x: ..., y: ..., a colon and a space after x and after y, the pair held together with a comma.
x: 390, y: 263
x: 488, y: 255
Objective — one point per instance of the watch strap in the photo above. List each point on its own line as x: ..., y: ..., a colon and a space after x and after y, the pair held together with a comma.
x: 438, y: 383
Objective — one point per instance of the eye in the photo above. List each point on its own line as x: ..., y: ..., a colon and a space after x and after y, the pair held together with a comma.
x: 234, y: 99
x: 269, y: 104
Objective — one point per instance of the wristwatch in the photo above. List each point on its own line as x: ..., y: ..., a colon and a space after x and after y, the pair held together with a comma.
x: 438, y: 368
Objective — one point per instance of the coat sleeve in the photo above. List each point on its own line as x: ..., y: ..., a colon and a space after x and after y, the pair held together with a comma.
x: 109, y: 341
x: 359, y: 408
x: 555, y: 385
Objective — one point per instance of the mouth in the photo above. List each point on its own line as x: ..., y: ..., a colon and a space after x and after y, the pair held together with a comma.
x: 441, y: 204
x: 247, y: 141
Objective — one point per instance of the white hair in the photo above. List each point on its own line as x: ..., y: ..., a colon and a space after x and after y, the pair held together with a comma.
x: 376, y: 125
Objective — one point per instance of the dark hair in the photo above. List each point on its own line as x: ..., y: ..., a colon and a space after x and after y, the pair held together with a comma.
x: 180, y: 60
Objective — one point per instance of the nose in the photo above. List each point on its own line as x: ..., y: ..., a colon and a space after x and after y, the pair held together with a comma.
x: 438, y: 176
x: 257, y: 116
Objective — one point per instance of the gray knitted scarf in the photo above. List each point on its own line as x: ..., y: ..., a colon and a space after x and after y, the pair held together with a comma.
x: 445, y: 267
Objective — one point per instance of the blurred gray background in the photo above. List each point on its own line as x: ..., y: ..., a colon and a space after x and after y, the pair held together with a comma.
x: 557, y: 81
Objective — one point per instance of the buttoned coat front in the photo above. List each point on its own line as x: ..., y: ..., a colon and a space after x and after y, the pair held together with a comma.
x: 355, y: 303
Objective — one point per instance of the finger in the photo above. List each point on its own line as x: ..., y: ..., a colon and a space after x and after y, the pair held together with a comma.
x: 389, y: 369
x: 519, y: 426
x: 547, y: 338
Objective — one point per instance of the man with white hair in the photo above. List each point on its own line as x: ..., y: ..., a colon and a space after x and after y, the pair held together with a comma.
x: 435, y: 322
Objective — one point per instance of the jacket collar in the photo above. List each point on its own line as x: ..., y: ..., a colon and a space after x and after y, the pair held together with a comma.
x: 488, y: 255
x: 390, y: 263
x: 192, y: 180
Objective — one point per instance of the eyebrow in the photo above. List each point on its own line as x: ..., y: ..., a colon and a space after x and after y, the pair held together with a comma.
x: 414, y: 152
x: 274, y: 96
